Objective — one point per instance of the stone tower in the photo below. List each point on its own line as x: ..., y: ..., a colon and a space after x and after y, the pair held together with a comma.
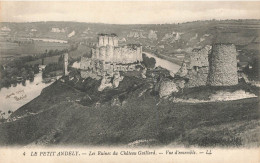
x: 66, y: 62
x: 223, y: 65
x: 107, y: 39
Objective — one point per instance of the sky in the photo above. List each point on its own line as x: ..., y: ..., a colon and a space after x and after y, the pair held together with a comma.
x: 128, y: 12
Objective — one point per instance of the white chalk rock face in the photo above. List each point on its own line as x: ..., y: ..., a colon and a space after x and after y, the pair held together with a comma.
x: 183, y: 70
x: 71, y: 34
x: 117, y: 79
x: 152, y: 35
x: 167, y: 88
x: 144, y: 73
x: 105, y: 83
x: 76, y: 65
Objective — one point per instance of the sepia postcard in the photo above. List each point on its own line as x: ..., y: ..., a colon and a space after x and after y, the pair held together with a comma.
x: 130, y: 81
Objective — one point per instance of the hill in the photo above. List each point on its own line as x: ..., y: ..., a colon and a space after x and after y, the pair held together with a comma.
x: 75, y: 113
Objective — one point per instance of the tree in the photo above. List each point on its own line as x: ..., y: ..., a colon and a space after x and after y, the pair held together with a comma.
x: 24, y: 73
x: 61, y: 58
x: 148, y: 62
x: 10, y: 112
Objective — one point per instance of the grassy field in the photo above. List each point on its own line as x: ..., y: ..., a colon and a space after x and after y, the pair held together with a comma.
x: 38, y: 47
x: 47, y: 60
x: 80, y: 51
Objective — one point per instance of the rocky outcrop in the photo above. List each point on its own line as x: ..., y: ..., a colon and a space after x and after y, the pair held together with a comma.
x: 58, y: 30
x: 180, y: 83
x: 194, y: 37
x: 183, y: 71
x: 152, y: 35
x: 110, y: 82
x: 117, y: 79
x: 143, y: 73
x: 136, y: 34
x: 122, y: 40
x: 105, y: 83
x: 167, y: 87
x: 115, y: 102
x: 172, y: 37
x: 71, y: 34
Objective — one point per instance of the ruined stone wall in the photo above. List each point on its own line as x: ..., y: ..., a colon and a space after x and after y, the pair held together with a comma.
x: 132, y: 55
x: 199, y: 57
x: 117, y: 54
x: 109, y: 53
x: 97, y: 53
x: 105, y: 40
x: 66, y: 63
x: 125, y: 54
x: 93, y: 53
x: 195, y: 68
x: 101, y: 41
x: 197, y: 77
x: 102, y: 53
x: 107, y: 50
x: 110, y: 41
x: 115, y: 41
x: 101, y: 68
x: 223, y: 65
x: 139, y: 54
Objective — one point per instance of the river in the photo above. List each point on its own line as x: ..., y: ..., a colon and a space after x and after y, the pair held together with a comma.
x: 172, y: 67
x: 13, y: 98
x: 48, y: 40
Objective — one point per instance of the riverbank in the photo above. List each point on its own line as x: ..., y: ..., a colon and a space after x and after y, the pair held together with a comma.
x: 14, y: 97
x: 171, y: 59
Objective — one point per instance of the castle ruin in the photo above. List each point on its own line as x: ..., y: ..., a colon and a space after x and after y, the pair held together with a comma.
x: 108, y: 50
x: 108, y: 59
x: 215, y: 66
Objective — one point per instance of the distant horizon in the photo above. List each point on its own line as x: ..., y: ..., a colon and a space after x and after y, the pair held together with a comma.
x: 127, y: 12
x: 133, y: 24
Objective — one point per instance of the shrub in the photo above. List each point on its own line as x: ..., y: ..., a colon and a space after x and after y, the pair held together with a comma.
x: 148, y: 62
